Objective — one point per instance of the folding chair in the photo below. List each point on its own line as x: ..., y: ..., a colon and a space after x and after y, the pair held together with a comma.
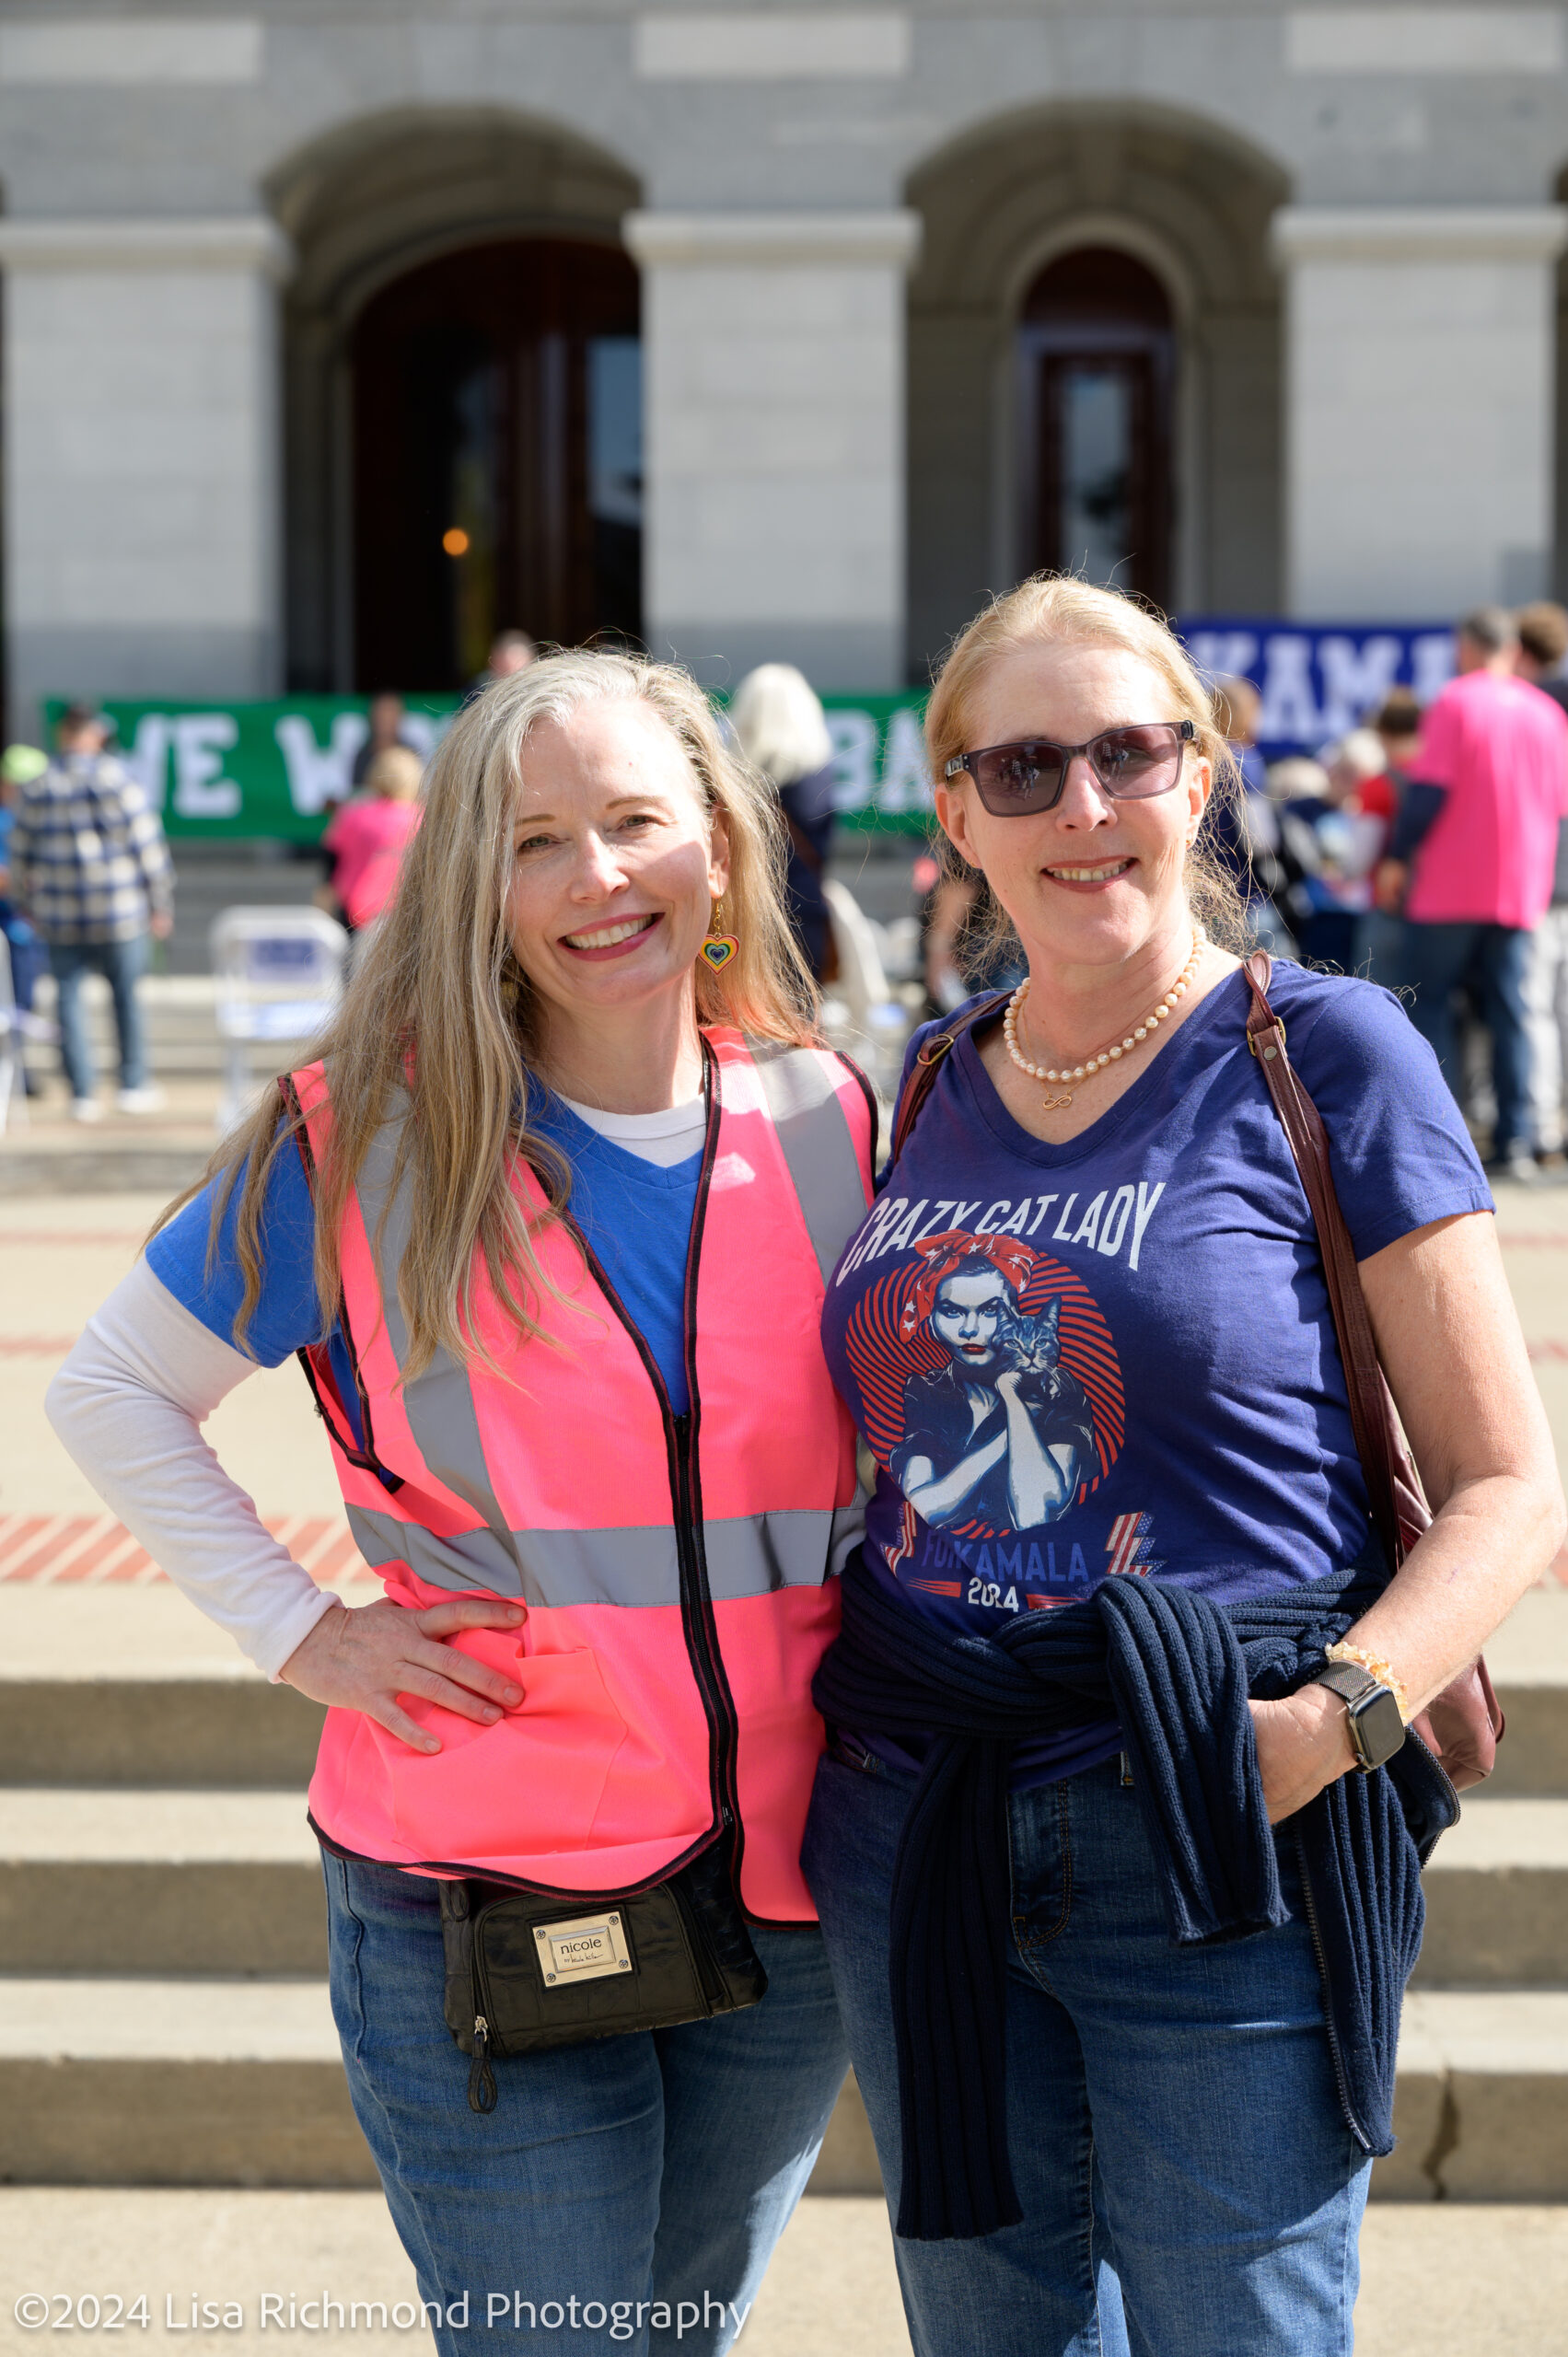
x: 280, y: 976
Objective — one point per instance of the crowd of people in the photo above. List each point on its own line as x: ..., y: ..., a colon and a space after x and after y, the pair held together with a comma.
x: 1073, y: 1782
x: 1427, y: 851
x: 86, y: 882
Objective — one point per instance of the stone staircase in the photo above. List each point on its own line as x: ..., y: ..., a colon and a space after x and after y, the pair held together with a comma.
x: 163, y: 2014
x: 163, y: 2006
x: 1482, y: 2108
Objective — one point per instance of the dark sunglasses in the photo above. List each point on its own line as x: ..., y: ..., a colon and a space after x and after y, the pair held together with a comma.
x: 1016, y: 781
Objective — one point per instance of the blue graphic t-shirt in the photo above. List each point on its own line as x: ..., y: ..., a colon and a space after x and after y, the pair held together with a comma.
x: 1116, y: 1357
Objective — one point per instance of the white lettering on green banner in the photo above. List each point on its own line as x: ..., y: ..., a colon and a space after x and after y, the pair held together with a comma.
x: 278, y: 769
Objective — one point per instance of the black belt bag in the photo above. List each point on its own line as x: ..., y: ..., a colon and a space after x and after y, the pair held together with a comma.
x: 524, y: 1973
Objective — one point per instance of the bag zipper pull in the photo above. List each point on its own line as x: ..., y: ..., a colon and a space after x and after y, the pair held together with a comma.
x: 481, y: 2078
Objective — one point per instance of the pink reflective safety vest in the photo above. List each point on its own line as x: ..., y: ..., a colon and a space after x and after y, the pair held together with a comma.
x: 677, y: 1569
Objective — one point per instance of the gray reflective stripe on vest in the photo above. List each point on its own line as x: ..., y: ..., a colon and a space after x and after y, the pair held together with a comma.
x: 817, y: 1143
x: 440, y: 1404
x: 749, y: 1555
x: 753, y: 1555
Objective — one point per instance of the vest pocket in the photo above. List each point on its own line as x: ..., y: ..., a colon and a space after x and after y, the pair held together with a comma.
x: 531, y: 1783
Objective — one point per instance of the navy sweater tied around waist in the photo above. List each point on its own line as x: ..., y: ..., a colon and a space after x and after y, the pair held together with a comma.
x: 1176, y: 1671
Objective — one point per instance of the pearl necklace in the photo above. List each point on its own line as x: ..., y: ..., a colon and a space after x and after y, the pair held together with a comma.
x: 1113, y: 1055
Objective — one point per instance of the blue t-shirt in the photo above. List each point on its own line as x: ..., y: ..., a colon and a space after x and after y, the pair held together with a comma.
x: 1116, y: 1356
x: 635, y: 1216
x: 14, y: 925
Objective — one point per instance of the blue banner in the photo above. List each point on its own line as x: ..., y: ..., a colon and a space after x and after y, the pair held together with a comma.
x: 1317, y: 680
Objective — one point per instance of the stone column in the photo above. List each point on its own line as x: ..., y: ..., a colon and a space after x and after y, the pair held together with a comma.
x: 1418, y: 406
x: 775, y: 403
x: 142, y: 473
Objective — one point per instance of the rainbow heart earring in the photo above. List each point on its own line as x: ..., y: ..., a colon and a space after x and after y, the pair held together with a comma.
x: 719, y: 946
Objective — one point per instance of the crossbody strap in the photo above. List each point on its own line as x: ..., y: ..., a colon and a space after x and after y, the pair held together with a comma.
x: 928, y: 1061
x: 1393, y: 1486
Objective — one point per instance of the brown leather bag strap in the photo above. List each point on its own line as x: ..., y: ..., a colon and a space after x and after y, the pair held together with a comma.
x: 924, y: 1071
x: 1393, y: 1487
x: 1463, y: 1725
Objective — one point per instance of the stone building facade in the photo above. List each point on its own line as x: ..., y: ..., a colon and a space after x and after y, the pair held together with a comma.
x: 337, y: 332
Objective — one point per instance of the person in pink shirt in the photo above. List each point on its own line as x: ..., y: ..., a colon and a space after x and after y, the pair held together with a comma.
x: 1474, y: 850
x: 366, y: 838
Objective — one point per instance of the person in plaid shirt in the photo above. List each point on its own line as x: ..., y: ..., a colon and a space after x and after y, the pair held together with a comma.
x: 90, y: 860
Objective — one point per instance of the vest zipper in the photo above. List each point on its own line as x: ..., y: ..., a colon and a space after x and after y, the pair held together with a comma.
x: 702, y: 1635
x: 702, y: 1626
x: 681, y: 1435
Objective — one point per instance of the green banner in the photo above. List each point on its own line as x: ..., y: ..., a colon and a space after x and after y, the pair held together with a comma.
x: 274, y: 769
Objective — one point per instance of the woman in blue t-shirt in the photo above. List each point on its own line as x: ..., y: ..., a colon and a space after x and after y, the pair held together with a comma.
x: 1085, y: 1334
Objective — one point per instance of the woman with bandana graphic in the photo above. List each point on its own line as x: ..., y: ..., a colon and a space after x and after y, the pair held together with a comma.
x: 1119, y: 1901
x: 1001, y: 1434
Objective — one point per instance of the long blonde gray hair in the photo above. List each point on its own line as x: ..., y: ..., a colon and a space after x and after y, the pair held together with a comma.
x: 440, y: 1017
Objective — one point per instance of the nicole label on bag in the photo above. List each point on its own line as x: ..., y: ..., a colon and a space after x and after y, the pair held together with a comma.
x: 581, y: 1949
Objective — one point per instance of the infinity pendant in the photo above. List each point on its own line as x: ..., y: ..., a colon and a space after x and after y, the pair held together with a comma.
x: 1054, y: 1104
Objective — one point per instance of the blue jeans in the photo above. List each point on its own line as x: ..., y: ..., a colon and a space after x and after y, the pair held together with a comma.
x: 1187, y: 2182
x: 121, y: 964
x: 639, y: 2182
x: 1437, y: 958
x: 29, y: 960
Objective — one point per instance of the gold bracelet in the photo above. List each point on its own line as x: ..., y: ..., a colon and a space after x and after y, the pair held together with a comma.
x: 1376, y: 1669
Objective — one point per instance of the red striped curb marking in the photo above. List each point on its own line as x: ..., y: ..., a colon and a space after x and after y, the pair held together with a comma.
x: 93, y: 1550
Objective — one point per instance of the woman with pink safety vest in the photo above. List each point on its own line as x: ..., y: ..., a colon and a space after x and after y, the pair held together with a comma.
x: 548, y: 1219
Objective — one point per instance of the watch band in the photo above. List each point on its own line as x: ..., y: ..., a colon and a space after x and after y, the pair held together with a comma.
x: 1376, y: 1727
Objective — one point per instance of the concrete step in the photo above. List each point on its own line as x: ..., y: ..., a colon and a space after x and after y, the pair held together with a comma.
x: 224, y: 2083
x: 185, y: 2082
x: 89, y: 1694
x: 178, y: 1013
x: 1482, y: 2109
x: 210, y: 1881
x: 115, y: 1169
x: 1497, y: 1897
x: 174, y: 2082
x: 160, y: 1882
x: 201, y: 1724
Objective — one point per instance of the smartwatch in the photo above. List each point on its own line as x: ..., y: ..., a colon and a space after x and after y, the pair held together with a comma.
x: 1377, y: 1729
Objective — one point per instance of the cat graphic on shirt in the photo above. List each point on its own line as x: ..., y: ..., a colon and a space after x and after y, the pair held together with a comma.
x: 1003, y: 1433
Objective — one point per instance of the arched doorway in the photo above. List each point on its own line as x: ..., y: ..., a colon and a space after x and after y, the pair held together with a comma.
x: 1193, y: 203
x: 369, y: 207
x: 1097, y: 357
x: 497, y: 417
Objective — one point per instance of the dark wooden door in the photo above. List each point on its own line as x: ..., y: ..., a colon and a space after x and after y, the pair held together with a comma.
x: 1096, y: 360
x: 497, y: 459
